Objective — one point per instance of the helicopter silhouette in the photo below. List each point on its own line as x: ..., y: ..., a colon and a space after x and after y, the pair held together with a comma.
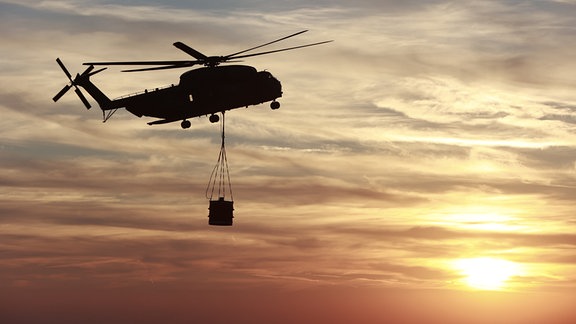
x: 200, y: 92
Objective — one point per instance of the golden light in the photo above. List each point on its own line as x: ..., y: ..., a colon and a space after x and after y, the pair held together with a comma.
x: 496, y: 216
x: 487, y: 273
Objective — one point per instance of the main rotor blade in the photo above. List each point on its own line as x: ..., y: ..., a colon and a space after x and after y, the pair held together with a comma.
x: 272, y: 42
x: 190, y: 51
x: 144, y: 63
x: 64, y: 69
x: 160, y: 68
x: 280, y: 50
x: 61, y: 93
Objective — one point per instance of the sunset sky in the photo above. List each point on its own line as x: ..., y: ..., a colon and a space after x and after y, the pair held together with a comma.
x: 422, y: 167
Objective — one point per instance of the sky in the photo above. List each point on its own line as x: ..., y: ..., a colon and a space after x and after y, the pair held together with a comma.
x: 422, y: 167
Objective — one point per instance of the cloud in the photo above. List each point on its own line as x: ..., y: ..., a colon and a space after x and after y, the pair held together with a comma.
x: 427, y: 132
x: 569, y: 119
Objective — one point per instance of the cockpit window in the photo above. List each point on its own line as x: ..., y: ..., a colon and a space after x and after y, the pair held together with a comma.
x: 266, y: 74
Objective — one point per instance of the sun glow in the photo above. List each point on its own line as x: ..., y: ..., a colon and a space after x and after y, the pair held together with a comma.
x: 487, y: 273
x: 481, y: 218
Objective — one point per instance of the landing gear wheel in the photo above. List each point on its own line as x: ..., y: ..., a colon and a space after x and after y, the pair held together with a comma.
x: 274, y: 105
x: 185, y: 124
x: 214, y: 118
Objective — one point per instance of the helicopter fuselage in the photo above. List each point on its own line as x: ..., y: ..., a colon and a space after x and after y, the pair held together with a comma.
x: 203, y: 91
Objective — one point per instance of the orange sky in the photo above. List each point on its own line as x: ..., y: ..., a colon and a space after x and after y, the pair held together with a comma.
x: 422, y: 167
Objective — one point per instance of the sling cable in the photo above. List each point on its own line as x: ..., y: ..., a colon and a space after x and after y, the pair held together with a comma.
x: 220, y: 209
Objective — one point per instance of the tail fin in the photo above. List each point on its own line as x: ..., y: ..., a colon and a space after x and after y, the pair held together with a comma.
x: 83, y: 80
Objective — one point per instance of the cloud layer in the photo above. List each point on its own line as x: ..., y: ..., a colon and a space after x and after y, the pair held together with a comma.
x: 429, y: 131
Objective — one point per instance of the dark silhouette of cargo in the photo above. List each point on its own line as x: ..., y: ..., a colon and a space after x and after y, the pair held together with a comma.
x: 221, y: 212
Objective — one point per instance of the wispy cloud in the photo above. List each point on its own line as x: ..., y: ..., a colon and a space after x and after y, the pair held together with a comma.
x: 427, y: 132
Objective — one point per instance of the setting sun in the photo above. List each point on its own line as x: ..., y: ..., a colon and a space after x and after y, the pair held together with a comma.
x: 487, y: 273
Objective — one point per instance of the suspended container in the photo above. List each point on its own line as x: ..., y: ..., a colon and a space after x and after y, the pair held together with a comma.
x: 220, y: 209
x: 220, y: 212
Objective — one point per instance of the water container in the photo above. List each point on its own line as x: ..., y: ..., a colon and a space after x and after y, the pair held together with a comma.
x: 220, y: 212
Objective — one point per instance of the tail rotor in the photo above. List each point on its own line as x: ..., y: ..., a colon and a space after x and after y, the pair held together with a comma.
x: 75, y: 82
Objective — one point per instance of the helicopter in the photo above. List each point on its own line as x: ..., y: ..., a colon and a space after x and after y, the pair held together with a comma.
x: 203, y: 91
